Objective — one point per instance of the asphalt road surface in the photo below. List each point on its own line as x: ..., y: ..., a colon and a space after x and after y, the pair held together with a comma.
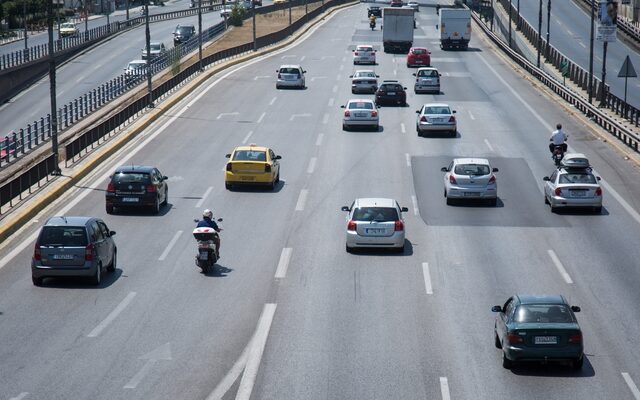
x: 292, y: 315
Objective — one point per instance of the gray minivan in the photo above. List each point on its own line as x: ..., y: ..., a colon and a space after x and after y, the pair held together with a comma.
x: 73, y: 246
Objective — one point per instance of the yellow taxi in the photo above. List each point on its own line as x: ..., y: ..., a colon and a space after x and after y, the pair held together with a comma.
x: 252, y: 165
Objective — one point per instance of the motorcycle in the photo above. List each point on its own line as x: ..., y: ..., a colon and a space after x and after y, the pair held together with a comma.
x: 207, y: 255
x: 372, y: 25
x: 558, y: 154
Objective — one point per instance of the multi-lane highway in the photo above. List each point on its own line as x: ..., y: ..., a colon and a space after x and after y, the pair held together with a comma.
x: 327, y: 324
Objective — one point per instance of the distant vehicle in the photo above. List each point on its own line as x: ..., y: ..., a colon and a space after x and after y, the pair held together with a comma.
x: 435, y: 117
x: 396, y: 3
x: 375, y: 223
x: 183, y: 33
x: 137, y: 186
x: 192, y: 4
x: 418, y: 57
x: 290, y: 76
x: 257, y: 3
x: 156, y: 49
x: 279, y: 1
x: 391, y: 92
x: 397, y: 29
x: 364, y: 81
x: 226, y: 11
x: 73, y: 246
x: 538, y: 328
x: 414, y: 5
x: 573, y: 184
x: 364, y: 54
x: 470, y: 179
x: 427, y: 80
x: 361, y: 113
x: 136, y: 69
x: 375, y: 11
x: 455, y: 28
x: 252, y: 165
x: 68, y: 29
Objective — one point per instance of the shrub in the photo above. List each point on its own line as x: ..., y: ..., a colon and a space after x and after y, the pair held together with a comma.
x: 237, y: 15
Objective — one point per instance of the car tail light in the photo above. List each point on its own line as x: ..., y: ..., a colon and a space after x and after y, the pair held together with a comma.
x: 111, y: 188
x: 452, y: 179
x: 151, y: 189
x: 452, y: 119
x: 598, y: 191
x: 399, y: 226
x: 374, y: 113
x: 558, y: 191
x: 356, y: 53
x: 577, y: 338
x: 492, y: 179
x: 37, y: 255
x: 267, y: 168
x: 424, y: 119
x: 229, y: 167
x: 351, y: 225
x: 279, y: 76
x: 513, y: 338
x: 347, y: 113
x: 88, y: 252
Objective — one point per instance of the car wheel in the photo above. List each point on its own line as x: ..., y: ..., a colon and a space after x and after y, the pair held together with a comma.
x: 97, y: 278
x: 506, y: 363
x: 449, y: 201
x: 36, y: 281
x: 278, y: 178
x: 114, y: 263
x: 353, y: 91
x: 493, y: 202
x: 109, y: 209
x: 597, y: 210
x: 156, y: 207
x: 453, y: 133
x: 376, y: 128
x: 577, y: 363
x: 166, y: 197
x: 345, y: 127
x: 496, y: 340
x: 227, y: 186
x: 554, y: 209
x: 546, y: 201
x: 348, y: 249
x: 400, y: 249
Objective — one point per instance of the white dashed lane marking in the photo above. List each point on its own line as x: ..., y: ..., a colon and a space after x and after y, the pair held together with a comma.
x: 632, y: 385
x: 283, y: 264
x: 112, y: 315
x: 302, y: 199
x: 246, y: 138
x: 172, y: 243
x: 444, y: 388
x: 205, y: 195
x: 312, y: 165
x: 427, y: 278
x: 559, y: 266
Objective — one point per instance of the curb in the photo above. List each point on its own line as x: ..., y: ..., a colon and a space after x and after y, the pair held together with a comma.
x: 41, y: 201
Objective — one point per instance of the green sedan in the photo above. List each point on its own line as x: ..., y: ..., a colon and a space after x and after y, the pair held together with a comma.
x: 538, y: 328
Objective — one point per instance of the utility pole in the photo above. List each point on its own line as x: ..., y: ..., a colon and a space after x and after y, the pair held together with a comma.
x: 518, y: 25
x: 126, y: 5
x: 591, y: 54
x: 539, y: 33
x: 52, y: 90
x: 603, y: 94
x: 200, y: 36
x: 86, y: 20
x: 492, y: 15
x: 148, y: 41
x: 546, y: 50
x: 253, y: 16
x: 289, y: 11
x: 509, y: 23
x: 24, y: 14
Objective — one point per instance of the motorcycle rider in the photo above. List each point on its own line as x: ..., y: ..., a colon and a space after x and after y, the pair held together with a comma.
x: 372, y: 21
x: 208, y: 222
x: 558, y: 138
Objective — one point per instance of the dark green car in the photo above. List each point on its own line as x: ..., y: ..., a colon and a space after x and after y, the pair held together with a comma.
x: 538, y: 328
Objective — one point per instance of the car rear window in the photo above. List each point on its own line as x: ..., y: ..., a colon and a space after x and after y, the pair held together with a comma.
x: 365, y: 75
x: 437, y: 110
x: 391, y: 88
x: 360, y: 105
x: 249, y: 155
x: 471, y: 169
x: 183, y: 30
x: 419, y: 51
x: 131, y: 177
x: 378, y: 214
x: 577, y: 178
x: 549, y: 313
x: 290, y: 71
x: 363, y: 48
x: 428, y: 73
x: 63, y: 236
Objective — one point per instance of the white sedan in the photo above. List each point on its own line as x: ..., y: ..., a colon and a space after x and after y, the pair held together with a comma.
x: 375, y: 222
x: 360, y: 112
x: 470, y: 178
x: 364, y: 81
x: 436, y: 117
x: 573, y: 185
x: 364, y: 54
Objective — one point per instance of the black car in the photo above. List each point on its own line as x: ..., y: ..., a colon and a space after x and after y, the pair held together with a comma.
x: 137, y: 186
x: 391, y: 92
x: 183, y: 33
x: 374, y: 10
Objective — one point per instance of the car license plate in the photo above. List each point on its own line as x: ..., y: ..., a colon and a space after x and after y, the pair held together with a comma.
x: 63, y: 256
x: 374, y: 230
x: 471, y: 194
x: 204, y: 256
x: 247, y: 178
x: 546, y: 340
x: 129, y: 199
x: 360, y: 115
x: 391, y: 93
x: 578, y: 193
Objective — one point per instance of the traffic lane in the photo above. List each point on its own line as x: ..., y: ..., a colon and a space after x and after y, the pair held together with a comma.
x: 88, y: 71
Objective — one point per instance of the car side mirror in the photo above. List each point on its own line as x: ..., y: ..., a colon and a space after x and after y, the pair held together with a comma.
x: 439, y: 74
x: 353, y: 51
x: 598, y: 178
x: 404, y: 88
x: 350, y: 76
x: 414, y: 74
x: 341, y: 106
x: 496, y: 309
x: 345, y: 208
x: 111, y: 233
x: 227, y: 155
x: 417, y: 111
x: 494, y: 170
x: 377, y: 76
x: 164, y: 178
x: 219, y: 219
x: 304, y: 72
x: 278, y: 157
x: 453, y: 112
x: 404, y: 209
x: 444, y: 169
x: 546, y: 179
x: 575, y: 308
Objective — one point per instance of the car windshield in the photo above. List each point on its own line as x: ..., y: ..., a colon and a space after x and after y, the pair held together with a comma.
x: 419, y: 51
x: 295, y: 71
x: 249, y: 155
x: 136, y: 65
x: 471, y: 169
x: 428, y: 73
x: 437, y: 110
x: 577, y: 177
x: 183, y: 30
x: 68, y: 25
x: 378, y: 214
x: 549, y: 313
x: 131, y: 177
x: 362, y: 105
x: 63, y: 236
x: 365, y: 74
x: 155, y: 46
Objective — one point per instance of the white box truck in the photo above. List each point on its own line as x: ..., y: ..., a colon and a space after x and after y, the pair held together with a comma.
x: 455, y: 28
x: 397, y: 29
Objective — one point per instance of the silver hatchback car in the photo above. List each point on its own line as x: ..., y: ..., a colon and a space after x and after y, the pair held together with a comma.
x: 290, y: 76
x: 364, y: 54
x: 470, y: 179
x: 73, y: 246
x: 375, y: 222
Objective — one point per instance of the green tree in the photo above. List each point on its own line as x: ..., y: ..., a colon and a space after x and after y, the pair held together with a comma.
x: 237, y: 15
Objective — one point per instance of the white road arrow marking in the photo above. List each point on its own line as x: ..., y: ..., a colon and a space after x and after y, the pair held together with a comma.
x: 161, y: 353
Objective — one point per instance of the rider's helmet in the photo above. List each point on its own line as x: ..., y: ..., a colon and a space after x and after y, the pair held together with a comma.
x: 207, y: 213
x: 559, y: 126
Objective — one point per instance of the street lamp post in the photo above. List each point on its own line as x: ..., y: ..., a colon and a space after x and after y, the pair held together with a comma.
x: 24, y: 14
x: 539, y: 33
x: 546, y: 52
x: 509, y: 23
x: 52, y: 90
x: 603, y: 94
x: 591, y: 54
x: 200, y: 36
x: 491, y: 15
x: 518, y: 25
x: 86, y: 20
x: 253, y: 17
x: 290, y: 11
x: 126, y: 5
x: 147, y: 34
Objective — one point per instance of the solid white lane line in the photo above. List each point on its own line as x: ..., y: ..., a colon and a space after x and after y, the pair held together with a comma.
x: 272, y: 101
x: 283, y: 264
x: 319, y: 139
x: 325, y: 118
x: 255, y: 355
x: 330, y: 103
x: 233, y: 374
x: 427, y: 278
x: 112, y: 315
x: 334, y: 89
x: 634, y: 214
x: 414, y: 200
x: 486, y: 141
x: 560, y: 267
x: 312, y: 165
x: 247, y: 137
x: 632, y: 385
x: 403, y: 128
x: 471, y: 114
x: 173, y: 241
x: 395, y: 72
x: 408, y: 157
x: 20, y: 396
x: 262, y: 117
x: 204, y: 196
x: 302, y: 199
x: 444, y: 388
